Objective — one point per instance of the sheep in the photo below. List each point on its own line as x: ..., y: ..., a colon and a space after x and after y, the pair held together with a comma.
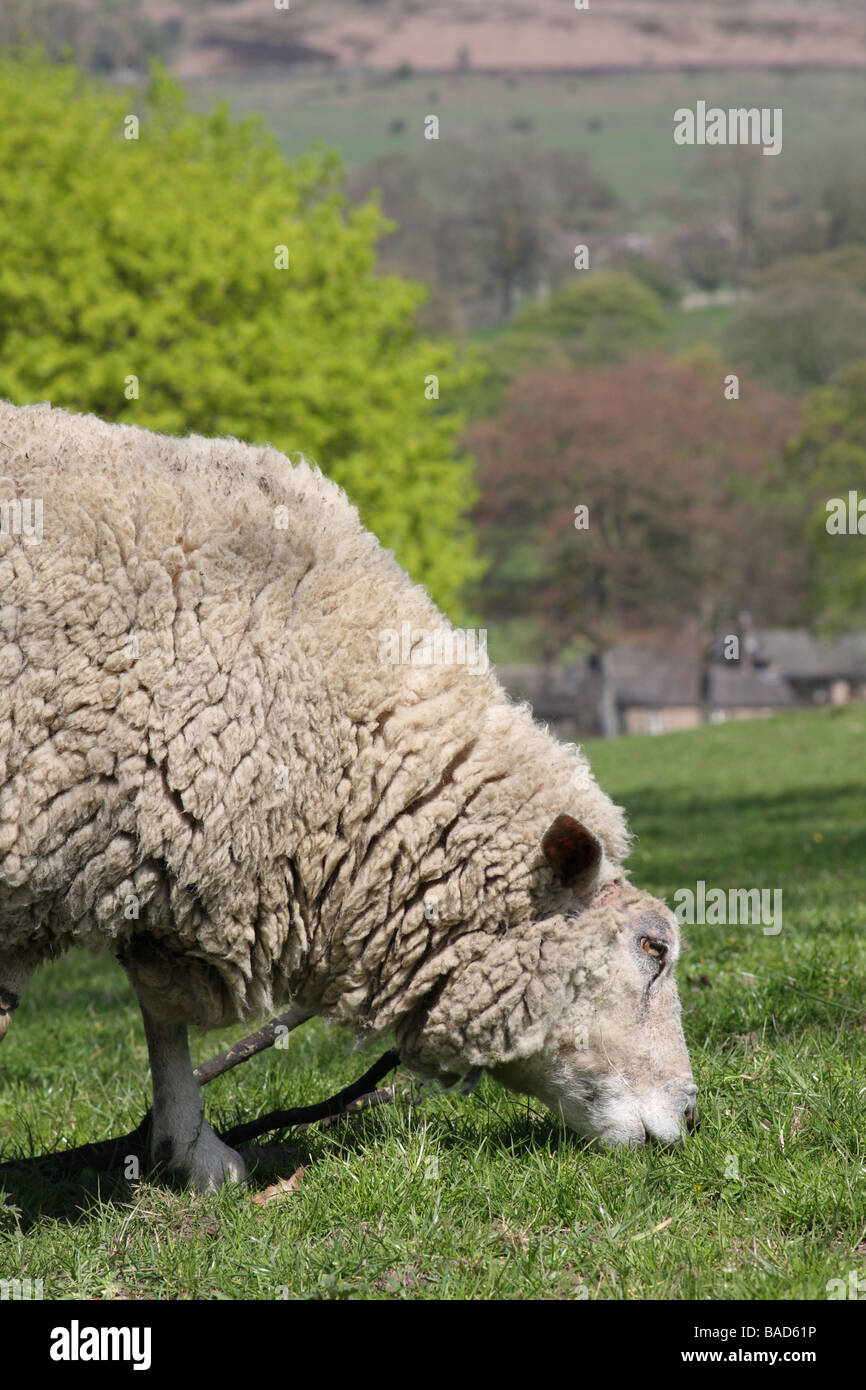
x: 215, y: 764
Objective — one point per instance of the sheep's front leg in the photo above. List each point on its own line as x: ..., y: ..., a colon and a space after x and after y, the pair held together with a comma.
x: 182, y: 1138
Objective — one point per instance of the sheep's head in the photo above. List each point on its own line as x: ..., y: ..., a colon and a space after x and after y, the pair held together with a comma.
x: 613, y: 1062
x: 578, y: 1008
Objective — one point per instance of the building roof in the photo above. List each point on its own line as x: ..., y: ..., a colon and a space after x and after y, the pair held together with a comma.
x: 555, y: 692
x: 643, y: 676
x: 795, y: 653
x: 649, y: 677
x: 742, y: 687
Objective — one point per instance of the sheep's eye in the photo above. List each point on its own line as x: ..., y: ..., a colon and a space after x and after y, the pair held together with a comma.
x: 657, y: 949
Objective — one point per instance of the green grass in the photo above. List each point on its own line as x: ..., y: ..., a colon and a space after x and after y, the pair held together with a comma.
x: 443, y: 1197
x: 824, y: 122
x: 691, y: 328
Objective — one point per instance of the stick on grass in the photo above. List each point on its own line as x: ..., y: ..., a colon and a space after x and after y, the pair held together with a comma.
x: 106, y: 1154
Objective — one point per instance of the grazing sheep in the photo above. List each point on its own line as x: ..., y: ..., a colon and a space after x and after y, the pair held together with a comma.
x: 216, y: 762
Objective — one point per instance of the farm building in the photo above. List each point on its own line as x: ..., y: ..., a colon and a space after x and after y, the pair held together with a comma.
x: 636, y: 689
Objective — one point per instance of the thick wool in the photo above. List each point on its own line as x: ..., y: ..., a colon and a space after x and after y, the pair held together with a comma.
x: 207, y: 768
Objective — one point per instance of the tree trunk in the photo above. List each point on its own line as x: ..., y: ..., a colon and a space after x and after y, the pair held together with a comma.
x: 608, y: 714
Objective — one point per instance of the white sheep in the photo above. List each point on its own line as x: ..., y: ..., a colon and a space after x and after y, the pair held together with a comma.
x: 215, y: 763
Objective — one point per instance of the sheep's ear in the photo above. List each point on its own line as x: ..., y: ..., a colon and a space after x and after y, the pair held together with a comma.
x: 571, y: 850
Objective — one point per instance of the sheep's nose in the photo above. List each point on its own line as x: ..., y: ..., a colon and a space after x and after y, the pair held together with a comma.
x: 691, y: 1119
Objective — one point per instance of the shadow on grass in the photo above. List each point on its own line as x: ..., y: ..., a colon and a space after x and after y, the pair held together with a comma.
x: 42, y: 1195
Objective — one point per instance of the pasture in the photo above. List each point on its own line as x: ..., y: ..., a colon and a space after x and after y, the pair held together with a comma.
x: 486, y: 1196
x: 624, y: 122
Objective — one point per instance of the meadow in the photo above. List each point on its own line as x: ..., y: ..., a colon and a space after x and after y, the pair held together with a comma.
x: 440, y: 1196
x: 624, y: 122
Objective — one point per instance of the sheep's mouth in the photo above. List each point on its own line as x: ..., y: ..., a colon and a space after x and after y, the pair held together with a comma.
x: 669, y: 1143
x: 612, y: 1139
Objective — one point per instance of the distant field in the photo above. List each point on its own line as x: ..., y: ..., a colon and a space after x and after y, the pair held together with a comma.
x: 690, y: 327
x: 446, y: 1197
x: 824, y: 121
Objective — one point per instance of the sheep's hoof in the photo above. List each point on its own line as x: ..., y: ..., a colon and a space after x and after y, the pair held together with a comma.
x: 205, y: 1164
x: 214, y: 1163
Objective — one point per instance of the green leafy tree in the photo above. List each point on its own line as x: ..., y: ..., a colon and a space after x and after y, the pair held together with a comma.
x: 600, y: 318
x: 806, y: 320
x: 828, y: 460
x: 143, y: 279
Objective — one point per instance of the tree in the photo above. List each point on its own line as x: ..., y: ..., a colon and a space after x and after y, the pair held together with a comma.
x: 486, y: 224
x: 827, y: 460
x: 845, y: 263
x: 806, y: 320
x: 105, y: 35
x: 687, y: 513
x: 512, y: 220
x: 599, y: 317
x: 192, y: 280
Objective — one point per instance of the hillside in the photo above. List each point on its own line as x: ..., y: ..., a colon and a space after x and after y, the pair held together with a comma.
x: 235, y: 36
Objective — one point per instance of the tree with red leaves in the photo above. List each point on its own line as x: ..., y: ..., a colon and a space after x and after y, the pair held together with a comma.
x: 689, y: 517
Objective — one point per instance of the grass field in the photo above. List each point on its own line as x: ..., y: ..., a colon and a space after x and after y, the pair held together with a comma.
x: 443, y: 1197
x: 623, y: 122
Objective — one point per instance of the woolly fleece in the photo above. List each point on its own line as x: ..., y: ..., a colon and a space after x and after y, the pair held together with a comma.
x: 206, y: 768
